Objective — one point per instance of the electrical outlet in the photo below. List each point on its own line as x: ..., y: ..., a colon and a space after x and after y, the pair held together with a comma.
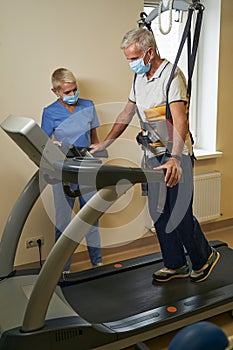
x: 32, y: 242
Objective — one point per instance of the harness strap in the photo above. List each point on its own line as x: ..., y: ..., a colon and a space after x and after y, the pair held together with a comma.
x: 186, y: 34
x: 192, y: 51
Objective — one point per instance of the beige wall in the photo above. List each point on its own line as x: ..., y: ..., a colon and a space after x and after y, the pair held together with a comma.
x: 35, y: 38
x: 38, y: 36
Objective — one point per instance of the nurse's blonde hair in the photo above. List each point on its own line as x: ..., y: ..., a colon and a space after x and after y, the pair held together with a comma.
x: 62, y: 75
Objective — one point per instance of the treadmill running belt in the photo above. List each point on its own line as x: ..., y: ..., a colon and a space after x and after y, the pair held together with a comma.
x: 131, y: 292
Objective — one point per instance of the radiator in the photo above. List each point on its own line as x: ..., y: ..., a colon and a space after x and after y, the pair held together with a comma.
x: 207, y: 195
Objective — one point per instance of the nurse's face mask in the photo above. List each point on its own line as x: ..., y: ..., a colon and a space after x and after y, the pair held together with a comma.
x: 71, y: 100
x: 69, y: 93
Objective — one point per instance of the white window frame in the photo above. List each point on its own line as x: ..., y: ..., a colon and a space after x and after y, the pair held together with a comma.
x: 205, y: 83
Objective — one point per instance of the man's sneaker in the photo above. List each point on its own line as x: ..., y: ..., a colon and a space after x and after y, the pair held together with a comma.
x: 98, y: 264
x: 205, y: 271
x: 166, y: 274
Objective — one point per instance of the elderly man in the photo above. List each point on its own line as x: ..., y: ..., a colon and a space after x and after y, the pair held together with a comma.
x: 167, y: 145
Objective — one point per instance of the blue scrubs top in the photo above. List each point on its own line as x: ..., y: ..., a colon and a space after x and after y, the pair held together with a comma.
x: 70, y: 128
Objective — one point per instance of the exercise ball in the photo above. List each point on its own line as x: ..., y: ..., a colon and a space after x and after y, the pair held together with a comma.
x: 199, y: 336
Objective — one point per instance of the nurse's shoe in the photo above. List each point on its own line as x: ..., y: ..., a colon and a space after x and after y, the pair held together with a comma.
x: 165, y: 274
x: 65, y: 274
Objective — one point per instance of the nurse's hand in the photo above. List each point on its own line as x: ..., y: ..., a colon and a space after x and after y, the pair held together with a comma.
x: 59, y: 143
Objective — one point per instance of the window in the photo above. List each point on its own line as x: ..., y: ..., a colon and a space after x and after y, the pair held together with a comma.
x: 203, y: 109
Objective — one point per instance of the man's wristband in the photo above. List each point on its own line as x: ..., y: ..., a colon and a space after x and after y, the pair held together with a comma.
x: 176, y: 157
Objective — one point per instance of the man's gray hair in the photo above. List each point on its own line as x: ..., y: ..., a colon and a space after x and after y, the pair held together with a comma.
x: 62, y: 75
x: 140, y: 36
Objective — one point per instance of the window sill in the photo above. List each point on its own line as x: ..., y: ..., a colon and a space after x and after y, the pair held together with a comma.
x: 202, y: 154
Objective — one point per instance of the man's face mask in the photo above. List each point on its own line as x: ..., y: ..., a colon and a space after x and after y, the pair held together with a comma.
x: 139, y: 67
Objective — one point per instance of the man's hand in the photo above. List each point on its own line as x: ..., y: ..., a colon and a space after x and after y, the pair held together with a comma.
x: 96, y: 147
x: 173, y: 171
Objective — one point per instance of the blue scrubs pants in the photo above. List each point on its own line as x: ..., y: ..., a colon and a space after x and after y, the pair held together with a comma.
x: 63, y: 211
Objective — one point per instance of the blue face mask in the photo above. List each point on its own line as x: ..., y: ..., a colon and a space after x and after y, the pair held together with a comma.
x: 139, y: 67
x: 71, y: 100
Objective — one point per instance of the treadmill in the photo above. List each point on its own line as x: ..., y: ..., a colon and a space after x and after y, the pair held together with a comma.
x: 111, y: 307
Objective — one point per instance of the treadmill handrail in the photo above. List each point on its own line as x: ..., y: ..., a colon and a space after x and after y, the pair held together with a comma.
x: 15, y: 223
x: 34, y: 317
x: 28, y: 135
x: 103, y: 175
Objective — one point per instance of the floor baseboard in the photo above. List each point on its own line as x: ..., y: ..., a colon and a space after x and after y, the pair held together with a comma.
x: 145, y: 245
x: 217, y: 225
